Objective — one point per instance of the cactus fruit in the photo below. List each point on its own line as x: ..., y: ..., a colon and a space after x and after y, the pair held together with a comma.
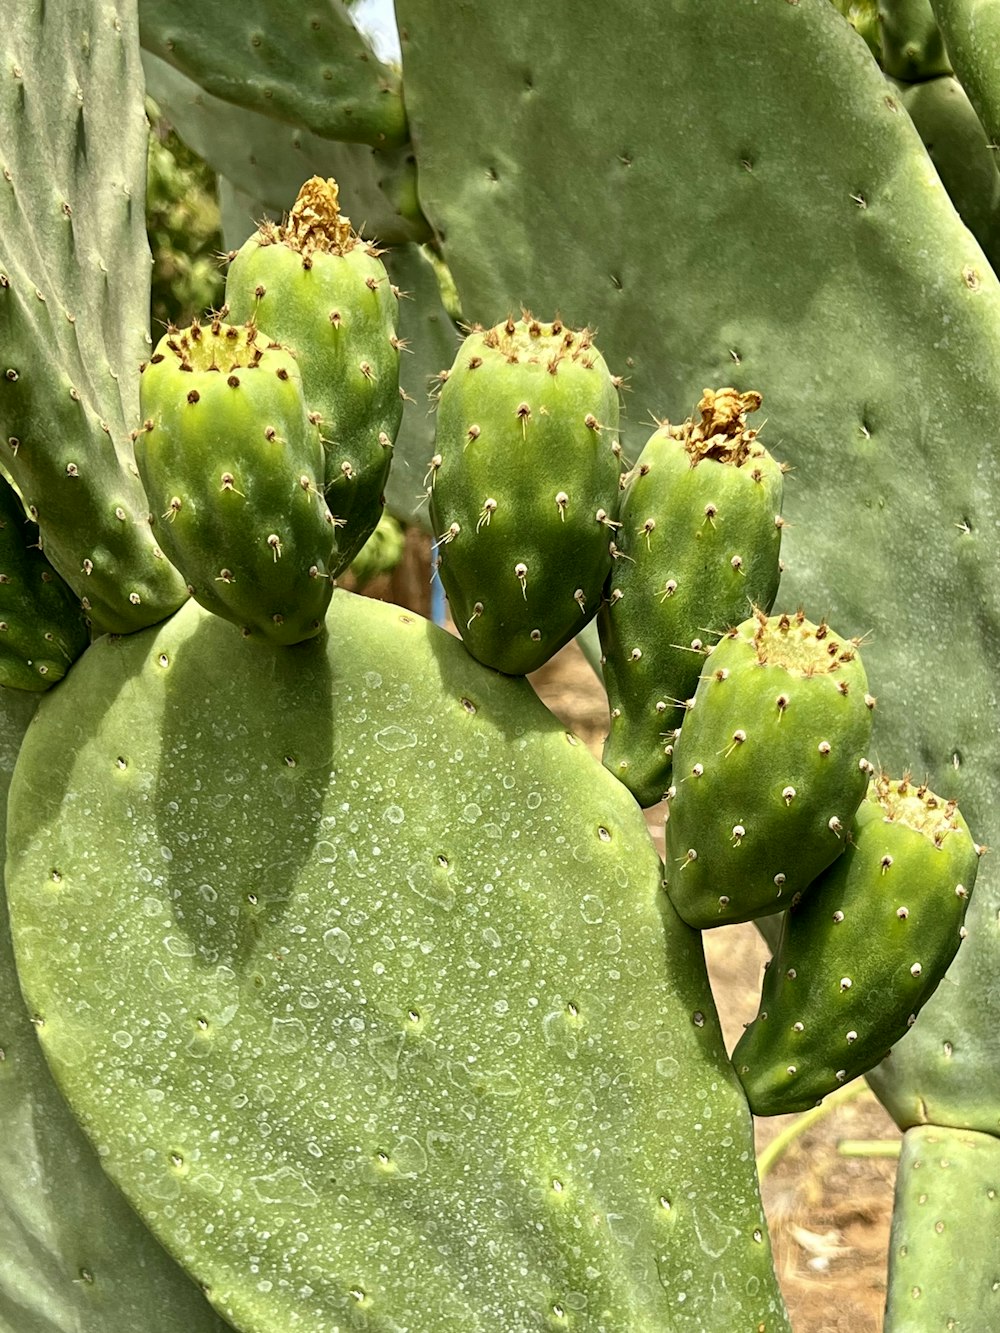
x: 316, y: 287
x: 769, y: 768
x: 232, y: 466
x: 42, y: 627
x: 524, y: 488
x: 863, y: 951
x: 701, y: 533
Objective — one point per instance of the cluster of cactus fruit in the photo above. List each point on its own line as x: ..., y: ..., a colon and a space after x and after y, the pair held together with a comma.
x: 264, y: 452
x: 342, y: 952
x: 266, y: 445
x: 774, y: 805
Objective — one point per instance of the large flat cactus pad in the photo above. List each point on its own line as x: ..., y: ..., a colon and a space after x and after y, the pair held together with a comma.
x: 359, y: 973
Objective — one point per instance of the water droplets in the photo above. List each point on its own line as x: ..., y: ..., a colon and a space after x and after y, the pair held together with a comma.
x: 337, y: 942
x: 394, y: 738
x: 288, y: 1035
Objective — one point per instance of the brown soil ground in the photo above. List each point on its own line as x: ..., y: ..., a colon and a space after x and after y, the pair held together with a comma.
x: 828, y: 1211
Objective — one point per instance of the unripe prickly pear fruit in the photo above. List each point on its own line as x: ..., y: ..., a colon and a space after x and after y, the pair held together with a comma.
x: 318, y: 288
x: 700, y: 535
x: 232, y: 466
x: 769, y: 768
x: 42, y: 625
x: 524, y: 489
x: 863, y: 951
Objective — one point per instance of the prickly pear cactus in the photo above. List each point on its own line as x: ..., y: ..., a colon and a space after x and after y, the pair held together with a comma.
x: 912, y: 45
x: 317, y: 287
x: 524, y: 488
x: 314, y: 69
x: 42, y: 627
x: 970, y: 29
x: 233, y: 470
x: 74, y: 1254
x: 392, y: 999
x: 769, y: 768
x: 863, y: 951
x: 74, y: 299
x: 940, y: 1277
x: 700, y: 533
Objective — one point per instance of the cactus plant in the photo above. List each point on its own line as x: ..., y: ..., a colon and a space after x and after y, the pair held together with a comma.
x: 262, y: 773
x: 315, y: 286
x: 700, y: 532
x: 769, y: 767
x: 863, y: 951
x: 523, y: 488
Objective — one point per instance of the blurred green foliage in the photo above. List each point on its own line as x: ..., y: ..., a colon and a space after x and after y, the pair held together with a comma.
x: 182, y: 220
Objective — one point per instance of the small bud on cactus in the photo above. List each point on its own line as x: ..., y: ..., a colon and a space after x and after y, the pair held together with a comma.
x: 233, y: 471
x: 524, y: 496
x: 887, y: 918
x: 698, y: 528
x: 777, y: 738
x: 318, y: 288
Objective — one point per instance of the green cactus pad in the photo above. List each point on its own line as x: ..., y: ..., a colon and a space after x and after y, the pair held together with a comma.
x: 316, y: 287
x: 269, y: 159
x: 74, y: 299
x: 233, y: 470
x: 701, y: 534
x: 524, y: 488
x: 313, y: 68
x: 963, y: 155
x: 769, y: 768
x: 42, y: 626
x: 942, y: 1278
x: 73, y: 1254
x: 912, y: 45
x: 357, y: 969
x: 971, y: 30
x: 863, y: 951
